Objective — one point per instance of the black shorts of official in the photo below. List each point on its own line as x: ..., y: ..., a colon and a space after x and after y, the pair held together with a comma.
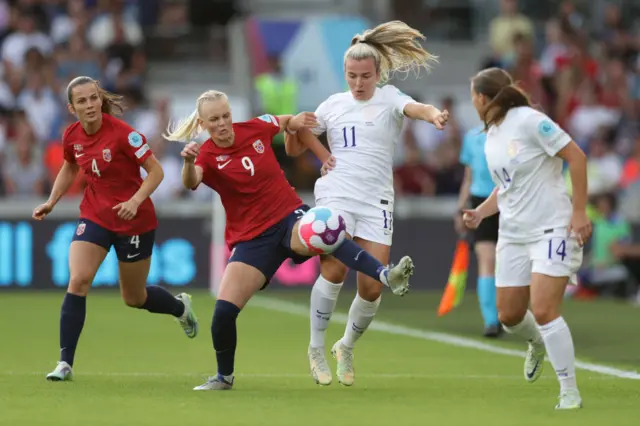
x: 269, y: 250
x: 488, y: 229
x: 129, y: 248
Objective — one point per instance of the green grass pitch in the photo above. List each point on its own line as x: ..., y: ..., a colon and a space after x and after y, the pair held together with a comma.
x: 135, y: 368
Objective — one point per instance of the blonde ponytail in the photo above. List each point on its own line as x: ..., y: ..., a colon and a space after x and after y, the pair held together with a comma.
x: 394, y: 47
x: 185, y: 130
x: 189, y: 127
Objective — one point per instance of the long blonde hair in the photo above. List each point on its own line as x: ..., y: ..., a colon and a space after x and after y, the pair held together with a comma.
x: 189, y: 127
x: 394, y: 47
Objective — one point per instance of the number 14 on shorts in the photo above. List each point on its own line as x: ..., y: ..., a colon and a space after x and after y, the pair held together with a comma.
x: 557, y: 249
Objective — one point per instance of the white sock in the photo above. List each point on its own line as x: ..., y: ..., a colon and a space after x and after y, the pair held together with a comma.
x: 361, y: 314
x: 559, y: 344
x: 324, y: 295
x: 528, y: 329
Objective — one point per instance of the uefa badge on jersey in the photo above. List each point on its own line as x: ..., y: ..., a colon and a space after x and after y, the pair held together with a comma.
x: 258, y: 146
x: 135, y: 139
x: 81, y: 227
x: 546, y: 128
x: 106, y: 155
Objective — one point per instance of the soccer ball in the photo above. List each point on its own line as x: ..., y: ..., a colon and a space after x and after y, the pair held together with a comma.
x: 322, y: 230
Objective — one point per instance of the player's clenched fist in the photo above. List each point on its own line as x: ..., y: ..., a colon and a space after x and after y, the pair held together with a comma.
x: 471, y: 218
x: 441, y: 120
x: 42, y: 210
x: 127, y: 210
x: 190, y: 151
x: 303, y: 120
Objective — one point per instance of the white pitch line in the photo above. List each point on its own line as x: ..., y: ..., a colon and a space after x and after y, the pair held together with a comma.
x: 381, y: 376
x: 272, y: 304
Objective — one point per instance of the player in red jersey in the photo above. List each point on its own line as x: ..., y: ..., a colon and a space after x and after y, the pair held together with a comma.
x: 115, y: 211
x: 262, y: 212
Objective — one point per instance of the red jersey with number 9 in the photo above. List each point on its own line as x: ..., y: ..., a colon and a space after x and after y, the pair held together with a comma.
x: 254, y: 191
x: 111, y: 160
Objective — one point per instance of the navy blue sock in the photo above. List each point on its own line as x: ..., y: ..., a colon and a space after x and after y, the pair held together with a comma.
x: 353, y: 256
x: 224, y: 335
x: 73, y: 312
x: 160, y: 301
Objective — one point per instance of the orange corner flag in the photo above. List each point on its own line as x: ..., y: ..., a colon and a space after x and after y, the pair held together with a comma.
x: 457, y: 283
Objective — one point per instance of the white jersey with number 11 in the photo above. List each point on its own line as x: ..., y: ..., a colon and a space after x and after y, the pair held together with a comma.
x: 362, y: 136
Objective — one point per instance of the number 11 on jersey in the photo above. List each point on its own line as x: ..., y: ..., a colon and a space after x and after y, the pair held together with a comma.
x: 346, y: 138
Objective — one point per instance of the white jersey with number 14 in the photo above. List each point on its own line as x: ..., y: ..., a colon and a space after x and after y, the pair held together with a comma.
x: 362, y: 136
x: 532, y: 193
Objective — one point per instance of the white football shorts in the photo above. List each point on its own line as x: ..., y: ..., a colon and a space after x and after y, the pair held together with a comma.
x: 363, y: 220
x: 556, y: 256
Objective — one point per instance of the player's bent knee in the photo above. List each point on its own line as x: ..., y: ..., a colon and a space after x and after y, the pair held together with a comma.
x: 544, y: 314
x: 332, y: 269
x: 511, y: 317
x: 368, y: 288
x: 240, y: 282
x: 371, y: 294
x: 79, y: 284
x: 134, y: 300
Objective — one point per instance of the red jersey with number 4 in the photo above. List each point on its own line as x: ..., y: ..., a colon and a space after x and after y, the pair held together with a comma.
x: 254, y: 191
x: 111, y: 160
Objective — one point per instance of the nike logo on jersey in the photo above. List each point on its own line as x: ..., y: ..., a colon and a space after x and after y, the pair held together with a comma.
x: 131, y: 256
x: 79, y: 155
x: 223, y: 165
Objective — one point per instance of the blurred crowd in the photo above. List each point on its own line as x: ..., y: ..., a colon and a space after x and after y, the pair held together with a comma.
x: 43, y: 45
x: 585, y: 78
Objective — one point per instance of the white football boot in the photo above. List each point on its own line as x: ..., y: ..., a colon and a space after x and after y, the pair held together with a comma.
x: 534, y: 362
x: 569, y: 400
x: 216, y: 383
x: 188, y: 321
x: 318, y: 366
x: 397, y: 277
x: 62, y: 373
x: 344, y: 357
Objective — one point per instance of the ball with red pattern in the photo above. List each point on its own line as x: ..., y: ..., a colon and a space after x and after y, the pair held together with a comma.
x: 322, y: 230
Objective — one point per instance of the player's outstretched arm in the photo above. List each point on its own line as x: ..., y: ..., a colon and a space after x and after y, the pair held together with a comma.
x: 577, y: 161
x: 428, y: 113
x: 155, y: 174
x: 292, y: 144
x: 63, y: 182
x: 490, y: 206
x: 310, y: 141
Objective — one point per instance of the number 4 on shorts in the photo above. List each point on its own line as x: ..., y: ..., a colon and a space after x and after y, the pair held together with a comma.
x: 557, y: 247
